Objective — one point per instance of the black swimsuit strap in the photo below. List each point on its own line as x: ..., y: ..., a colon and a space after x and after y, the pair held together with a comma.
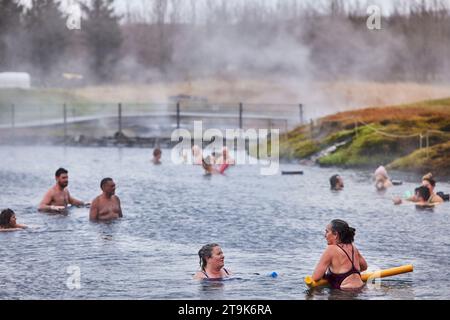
x: 226, y: 271
x: 353, y: 255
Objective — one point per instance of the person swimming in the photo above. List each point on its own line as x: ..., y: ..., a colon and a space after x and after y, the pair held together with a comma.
x: 340, y: 255
x: 8, y: 221
x: 336, y: 182
x: 58, y: 197
x: 212, y: 261
x: 106, y: 206
x: 225, y: 158
x: 157, y: 156
x: 430, y: 183
x: 382, y: 180
x: 420, y: 198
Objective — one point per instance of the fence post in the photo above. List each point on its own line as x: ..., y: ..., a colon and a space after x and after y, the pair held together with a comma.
x: 428, y: 144
x: 301, y: 113
x: 13, y: 119
x: 120, y: 118
x: 178, y: 115
x: 13, y: 116
x: 286, y: 136
x: 420, y: 141
x: 65, y: 122
x: 241, y: 109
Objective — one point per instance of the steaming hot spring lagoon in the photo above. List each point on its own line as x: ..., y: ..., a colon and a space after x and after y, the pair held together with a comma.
x: 262, y: 223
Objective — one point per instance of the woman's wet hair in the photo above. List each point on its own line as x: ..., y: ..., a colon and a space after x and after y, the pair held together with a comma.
x: 345, y: 232
x: 205, y: 253
x: 5, y: 218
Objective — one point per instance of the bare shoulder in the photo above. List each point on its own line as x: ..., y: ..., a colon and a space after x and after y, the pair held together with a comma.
x: 51, y: 192
x: 95, y: 201
x: 332, y: 248
x: 116, y: 198
x: 199, y: 275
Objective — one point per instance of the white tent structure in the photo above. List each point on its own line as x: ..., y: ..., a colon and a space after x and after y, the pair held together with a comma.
x: 20, y: 80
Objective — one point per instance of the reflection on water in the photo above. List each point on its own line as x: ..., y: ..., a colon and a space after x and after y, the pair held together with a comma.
x: 263, y: 224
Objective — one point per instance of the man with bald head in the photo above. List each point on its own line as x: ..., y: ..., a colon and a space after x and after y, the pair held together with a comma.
x: 107, y: 205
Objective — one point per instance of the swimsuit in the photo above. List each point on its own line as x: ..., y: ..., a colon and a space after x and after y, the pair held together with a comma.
x: 336, y: 279
x: 207, y: 277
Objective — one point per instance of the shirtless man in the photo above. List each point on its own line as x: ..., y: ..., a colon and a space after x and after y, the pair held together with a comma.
x: 107, y: 205
x: 58, y: 197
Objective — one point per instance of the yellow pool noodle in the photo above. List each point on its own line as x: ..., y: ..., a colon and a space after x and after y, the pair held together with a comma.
x: 365, y: 276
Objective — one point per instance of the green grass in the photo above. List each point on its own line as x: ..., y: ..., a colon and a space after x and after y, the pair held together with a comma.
x: 373, y: 145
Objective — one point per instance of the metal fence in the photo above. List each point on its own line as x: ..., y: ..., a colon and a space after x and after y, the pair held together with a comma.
x: 148, y: 119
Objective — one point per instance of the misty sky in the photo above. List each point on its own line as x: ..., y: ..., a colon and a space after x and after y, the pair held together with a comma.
x: 386, y: 5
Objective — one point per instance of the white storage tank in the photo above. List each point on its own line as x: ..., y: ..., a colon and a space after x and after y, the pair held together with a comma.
x: 20, y: 80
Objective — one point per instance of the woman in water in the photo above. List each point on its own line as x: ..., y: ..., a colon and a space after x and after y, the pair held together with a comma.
x: 341, y: 263
x: 8, y: 221
x: 212, y: 263
x: 382, y: 180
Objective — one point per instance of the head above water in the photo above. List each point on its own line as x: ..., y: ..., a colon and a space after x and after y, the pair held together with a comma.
x: 62, y: 177
x: 336, y: 182
x: 423, y: 193
x: 7, y: 218
x: 338, y: 231
x: 108, y: 186
x: 208, y: 252
x: 381, y: 173
x: 157, y: 153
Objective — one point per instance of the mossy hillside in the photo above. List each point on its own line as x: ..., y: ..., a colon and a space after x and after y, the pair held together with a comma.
x: 378, y: 136
x: 435, y: 159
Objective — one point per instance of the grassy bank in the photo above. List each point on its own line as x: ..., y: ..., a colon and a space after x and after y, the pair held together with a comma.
x: 390, y: 136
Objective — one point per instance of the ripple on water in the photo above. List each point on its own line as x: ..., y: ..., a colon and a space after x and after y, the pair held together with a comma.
x: 263, y: 224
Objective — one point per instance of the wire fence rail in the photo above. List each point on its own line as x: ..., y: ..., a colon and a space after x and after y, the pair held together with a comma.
x: 157, y: 118
x: 421, y: 136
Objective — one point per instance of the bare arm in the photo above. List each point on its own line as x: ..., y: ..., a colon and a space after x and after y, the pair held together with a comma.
x: 46, y: 201
x: 322, y: 265
x: 45, y: 205
x: 93, y: 212
x: 75, y: 202
x: 11, y: 229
